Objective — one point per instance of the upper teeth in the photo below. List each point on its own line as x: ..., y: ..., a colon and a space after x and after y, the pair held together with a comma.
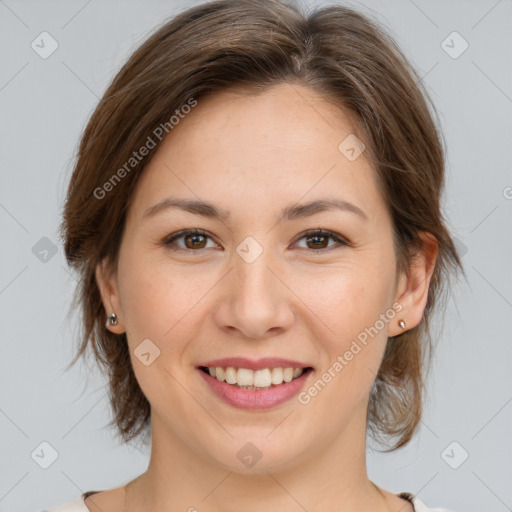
x: 257, y: 378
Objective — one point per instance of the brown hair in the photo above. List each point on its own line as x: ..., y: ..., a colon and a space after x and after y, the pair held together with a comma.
x: 342, y: 54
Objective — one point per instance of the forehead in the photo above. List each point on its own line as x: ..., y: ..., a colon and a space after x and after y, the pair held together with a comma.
x: 249, y: 153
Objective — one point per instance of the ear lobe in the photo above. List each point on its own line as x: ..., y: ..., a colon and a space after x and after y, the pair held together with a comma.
x: 413, y: 292
x: 107, y: 285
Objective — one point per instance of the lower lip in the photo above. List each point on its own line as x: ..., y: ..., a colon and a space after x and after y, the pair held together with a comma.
x: 255, y: 400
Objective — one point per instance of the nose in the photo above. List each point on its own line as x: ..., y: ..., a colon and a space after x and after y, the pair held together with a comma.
x: 256, y: 301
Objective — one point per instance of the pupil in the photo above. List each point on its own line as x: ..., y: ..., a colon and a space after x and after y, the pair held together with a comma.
x: 194, y: 239
x: 316, y: 238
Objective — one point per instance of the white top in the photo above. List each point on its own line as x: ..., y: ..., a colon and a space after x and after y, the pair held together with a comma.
x: 78, y: 504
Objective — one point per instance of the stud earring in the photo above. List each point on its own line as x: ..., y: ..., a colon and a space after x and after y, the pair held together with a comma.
x: 111, y: 320
x: 401, y: 324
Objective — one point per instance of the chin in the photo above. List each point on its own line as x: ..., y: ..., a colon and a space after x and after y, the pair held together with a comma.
x: 255, y: 452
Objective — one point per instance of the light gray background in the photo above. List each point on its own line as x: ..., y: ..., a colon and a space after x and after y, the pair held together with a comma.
x: 45, y: 104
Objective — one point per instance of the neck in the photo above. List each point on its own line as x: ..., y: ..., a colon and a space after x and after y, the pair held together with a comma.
x: 178, y: 478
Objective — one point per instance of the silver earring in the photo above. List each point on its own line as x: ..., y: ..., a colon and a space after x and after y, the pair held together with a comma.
x: 401, y: 324
x: 111, y: 320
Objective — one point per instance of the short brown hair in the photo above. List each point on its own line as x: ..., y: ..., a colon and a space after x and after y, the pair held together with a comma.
x: 252, y: 45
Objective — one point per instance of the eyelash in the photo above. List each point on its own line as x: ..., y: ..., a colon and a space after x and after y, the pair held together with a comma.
x: 168, y: 241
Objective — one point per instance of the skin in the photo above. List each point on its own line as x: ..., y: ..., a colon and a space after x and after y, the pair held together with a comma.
x: 253, y: 155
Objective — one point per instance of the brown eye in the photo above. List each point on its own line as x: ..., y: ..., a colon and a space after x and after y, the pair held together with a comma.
x: 318, y: 240
x: 194, y: 241
x: 192, y: 238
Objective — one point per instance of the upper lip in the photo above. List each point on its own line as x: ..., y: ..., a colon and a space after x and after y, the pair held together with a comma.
x: 259, y: 364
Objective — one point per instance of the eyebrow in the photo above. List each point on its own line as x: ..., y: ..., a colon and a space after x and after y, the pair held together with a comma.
x: 292, y: 212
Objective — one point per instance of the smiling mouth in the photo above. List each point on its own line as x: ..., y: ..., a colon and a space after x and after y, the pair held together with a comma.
x: 255, y: 380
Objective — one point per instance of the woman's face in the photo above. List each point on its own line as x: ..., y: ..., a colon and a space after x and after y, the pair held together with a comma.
x: 256, y: 285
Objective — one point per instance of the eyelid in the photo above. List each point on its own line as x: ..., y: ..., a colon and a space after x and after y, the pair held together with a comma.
x: 338, y: 238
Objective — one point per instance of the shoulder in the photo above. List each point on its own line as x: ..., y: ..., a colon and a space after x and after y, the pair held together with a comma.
x: 78, y: 504
x: 418, y: 505
x: 75, y: 505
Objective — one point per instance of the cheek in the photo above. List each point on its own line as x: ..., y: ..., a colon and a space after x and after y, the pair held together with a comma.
x: 160, y: 301
x: 148, y: 298
x: 348, y: 306
x: 347, y: 299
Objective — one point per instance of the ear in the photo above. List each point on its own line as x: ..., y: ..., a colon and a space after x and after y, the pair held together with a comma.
x: 109, y: 290
x: 412, y: 289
